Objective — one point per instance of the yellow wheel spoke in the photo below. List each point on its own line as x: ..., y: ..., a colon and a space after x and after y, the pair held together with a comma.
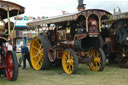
x: 100, y: 60
x: 71, y: 62
x: 99, y: 64
x: 37, y: 63
x: 71, y: 57
x: 69, y: 68
x: 35, y: 56
x: 65, y: 64
x: 97, y: 59
x: 41, y: 54
x: 35, y: 47
x: 72, y: 67
x: 66, y: 58
x: 36, y: 53
x: 40, y: 57
x: 40, y: 47
x: 96, y: 65
x: 40, y: 62
x: 92, y: 53
x: 68, y: 55
x: 68, y: 62
x: 91, y: 64
x: 37, y: 41
x: 42, y: 50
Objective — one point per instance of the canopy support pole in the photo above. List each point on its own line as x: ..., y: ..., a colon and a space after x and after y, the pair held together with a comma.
x: 15, y: 23
x: 13, y: 31
x: 8, y: 20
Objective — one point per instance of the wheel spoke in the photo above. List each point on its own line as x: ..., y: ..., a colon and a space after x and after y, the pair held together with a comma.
x: 100, y: 61
x: 40, y: 47
x: 68, y: 63
x: 37, y: 62
x: 40, y: 62
x: 9, y: 59
x: 69, y: 68
x: 91, y: 53
x: 91, y: 64
x: 99, y: 64
x: 95, y: 54
x: 35, y: 47
x: 72, y: 67
x: 71, y: 62
x: 41, y: 50
x: 10, y: 74
x: 41, y: 58
x: 10, y: 70
x: 10, y: 66
x: 37, y: 41
x: 35, y: 56
x: 96, y: 65
x: 71, y: 57
x: 42, y: 54
x: 68, y: 55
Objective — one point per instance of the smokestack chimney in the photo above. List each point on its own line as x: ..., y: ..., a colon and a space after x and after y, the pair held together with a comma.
x: 114, y: 11
x: 81, y: 6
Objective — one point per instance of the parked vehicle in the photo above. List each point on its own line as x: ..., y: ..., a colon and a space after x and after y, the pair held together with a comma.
x: 73, y: 38
x: 118, y: 50
x: 8, y: 59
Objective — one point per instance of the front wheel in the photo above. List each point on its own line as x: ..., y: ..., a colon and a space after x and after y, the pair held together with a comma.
x: 12, y: 66
x: 98, y: 59
x: 69, y: 61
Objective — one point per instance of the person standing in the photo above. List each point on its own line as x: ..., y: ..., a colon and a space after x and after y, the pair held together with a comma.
x: 122, y: 27
x: 25, y: 55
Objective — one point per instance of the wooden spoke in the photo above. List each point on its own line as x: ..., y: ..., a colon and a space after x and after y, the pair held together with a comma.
x: 35, y: 47
x: 35, y: 56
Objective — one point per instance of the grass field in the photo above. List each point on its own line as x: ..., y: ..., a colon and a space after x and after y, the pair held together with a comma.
x: 112, y: 75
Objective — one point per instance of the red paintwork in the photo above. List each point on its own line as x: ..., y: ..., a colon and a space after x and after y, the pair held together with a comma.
x: 3, y: 66
x: 9, y: 63
x: 93, y: 33
x: 59, y: 54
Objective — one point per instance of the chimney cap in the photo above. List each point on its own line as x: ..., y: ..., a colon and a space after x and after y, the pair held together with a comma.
x: 81, y: 6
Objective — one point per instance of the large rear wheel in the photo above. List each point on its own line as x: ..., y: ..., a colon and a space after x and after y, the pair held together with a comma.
x: 12, y: 66
x: 98, y: 59
x: 123, y: 57
x: 39, y: 53
x: 69, y: 61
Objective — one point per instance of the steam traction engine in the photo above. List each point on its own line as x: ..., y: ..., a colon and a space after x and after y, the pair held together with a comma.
x: 72, y: 38
x: 8, y: 59
x: 118, y: 52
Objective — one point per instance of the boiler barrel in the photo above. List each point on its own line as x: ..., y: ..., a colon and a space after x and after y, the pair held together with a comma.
x: 83, y: 44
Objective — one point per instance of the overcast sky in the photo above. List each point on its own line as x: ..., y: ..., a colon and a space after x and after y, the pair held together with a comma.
x: 55, y: 7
